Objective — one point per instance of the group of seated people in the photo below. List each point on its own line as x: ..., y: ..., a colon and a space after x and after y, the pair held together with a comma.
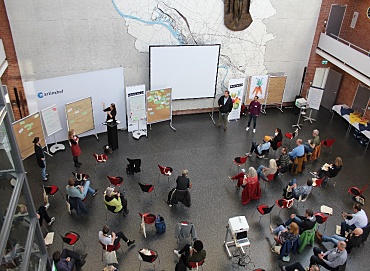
x: 250, y: 184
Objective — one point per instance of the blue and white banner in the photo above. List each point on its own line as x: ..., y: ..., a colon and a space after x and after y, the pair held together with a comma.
x: 236, y: 90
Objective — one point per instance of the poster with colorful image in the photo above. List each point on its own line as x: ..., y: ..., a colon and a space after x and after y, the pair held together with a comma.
x: 258, y: 86
x: 236, y: 90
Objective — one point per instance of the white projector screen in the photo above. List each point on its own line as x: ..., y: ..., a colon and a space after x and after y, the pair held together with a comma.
x: 190, y: 70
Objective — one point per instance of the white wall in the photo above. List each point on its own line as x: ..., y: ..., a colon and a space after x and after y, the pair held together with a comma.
x: 64, y: 37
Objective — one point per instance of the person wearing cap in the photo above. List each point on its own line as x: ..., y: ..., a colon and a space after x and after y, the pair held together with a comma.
x: 40, y: 158
x: 260, y: 149
x: 190, y: 254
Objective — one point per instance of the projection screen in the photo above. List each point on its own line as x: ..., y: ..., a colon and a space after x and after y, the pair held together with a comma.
x: 190, y: 70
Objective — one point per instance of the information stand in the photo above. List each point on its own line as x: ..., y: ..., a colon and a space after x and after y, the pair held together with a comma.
x: 159, y: 106
x: 136, y: 111
x: 112, y: 134
x: 52, y: 125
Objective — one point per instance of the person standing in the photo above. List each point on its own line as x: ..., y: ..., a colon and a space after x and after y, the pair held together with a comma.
x: 40, y: 158
x: 111, y: 113
x: 225, y: 104
x: 254, y: 111
x: 75, y: 147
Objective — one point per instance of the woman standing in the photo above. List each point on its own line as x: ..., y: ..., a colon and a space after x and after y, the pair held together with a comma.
x: 40, y: 158
x: 76, y: 151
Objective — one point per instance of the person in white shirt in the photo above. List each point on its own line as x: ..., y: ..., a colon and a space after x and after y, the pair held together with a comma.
x: 114, y: 238
x: 351, y: 221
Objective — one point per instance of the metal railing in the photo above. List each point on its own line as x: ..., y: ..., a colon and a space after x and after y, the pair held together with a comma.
x: 349, y: 44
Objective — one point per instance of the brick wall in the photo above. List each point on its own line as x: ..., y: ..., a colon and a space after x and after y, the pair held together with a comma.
x: 358, y: 36
x: 12, y: 76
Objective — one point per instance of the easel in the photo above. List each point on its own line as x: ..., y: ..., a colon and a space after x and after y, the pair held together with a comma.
x: 57, y: 146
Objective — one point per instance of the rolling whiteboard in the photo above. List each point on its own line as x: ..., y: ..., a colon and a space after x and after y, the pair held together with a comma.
x: 80, y: 116
x: 158, y: 105
x: 314, y: 97
x: 190, y: 70
x: 51, y: 120
x: 136, y: 111
x: 25, y: 131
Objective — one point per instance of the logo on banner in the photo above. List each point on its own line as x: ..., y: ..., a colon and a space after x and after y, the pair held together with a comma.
x: 41, y: 95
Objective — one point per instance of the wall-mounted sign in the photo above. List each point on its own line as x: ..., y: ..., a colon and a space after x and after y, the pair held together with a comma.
x: 324, y: 62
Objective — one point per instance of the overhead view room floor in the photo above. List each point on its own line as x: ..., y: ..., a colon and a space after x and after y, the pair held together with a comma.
x: 208, y: 153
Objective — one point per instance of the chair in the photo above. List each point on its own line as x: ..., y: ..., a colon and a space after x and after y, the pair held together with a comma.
x: 185, y: 232
x: 316, y: 153
x: 110, y: 209
x: 51, y: 190
x: 166, y: 171
x: 146, y: 218
x: 354, y: 191
x: 307, y: 237
x: 264, y: 209
x: 133, y: 166
x: 290, y: 136
x: 109, y: 248
x: 299, y: 164
x: 148, y: 256
x: 115, y: 180
x: 80, y: 177
x: 317, y: 182
x: 196, y: 265
x: 242, y: 160
x: 321, y: 218
x: 147, y: 188
x: 71, y: 238
x: 278, y: 145
x: 270, y: 178
x: 366, y: 232
x: 284, y: 204
x: 99, y: 158
x: 328, y: 143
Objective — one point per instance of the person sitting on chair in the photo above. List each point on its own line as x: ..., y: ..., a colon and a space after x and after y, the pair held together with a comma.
x: 297, y: 266
x: 283, y: 234
x: 263, y: 171
x: 300, y: 191
x: 353, y: 239
x: 244, y: 179
x: 329, y: 170
x: 278, y: 137
x: 351, y: 221
x: 330, y: 259
x: 67, y: 260
x: 114, y: 238
x: 284, y: 163
x: 260, y: 149
x: 297, y: 151
x: 183, y: 182
x: 115, y: 201
x: 180, y: 192
x: 306, y: 222
x: 79, y: 191
x: 310, y: 145
x: 188, y: 254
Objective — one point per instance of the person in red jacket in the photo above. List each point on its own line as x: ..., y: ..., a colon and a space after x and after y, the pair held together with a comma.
x: 254, y: 111
x: 75, y: 147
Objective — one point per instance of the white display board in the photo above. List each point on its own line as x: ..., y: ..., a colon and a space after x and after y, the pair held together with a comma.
x: 236, y: 91
x: 314, y: 97
x: 102, y: 86
x: 136, y: 109
x: 190, y: 70
x: 258, y: 86
x: 51, y: 120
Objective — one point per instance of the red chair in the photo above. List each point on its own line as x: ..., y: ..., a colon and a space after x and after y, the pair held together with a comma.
x: 100, y: 158
x: 166, y: 171
x: 321, y: 218
x: 290, y: 136
x: 242, y: 160
x: 81, y: 177
x: 51, y: 190
x: 317, y: 182
x: 264, y: 209
x: 270, y: 178
x: 115, y: 180
x: 328, y: 143
x: 148, y: 256
x: 196, y: 265
x: 71, y: 238
x: 284, y: 204
x: 356, y: 191
x: 147, y: 188
x: 109, y: 248
x: 146, y: 218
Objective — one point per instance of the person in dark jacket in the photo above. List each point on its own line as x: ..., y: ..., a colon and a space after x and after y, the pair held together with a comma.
x: 305, y: 222
x: 188, y: 254
x: 284, y: 163
x: 254, y: 111
x: 68, y: 259
x: 329, y: 170
x: 111, y: 113
x: 225, y: 104
x: 298, y: 266
x: 278, y: 137
x: 40, y: 158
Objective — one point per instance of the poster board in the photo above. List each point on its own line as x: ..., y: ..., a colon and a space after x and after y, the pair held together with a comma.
x: 50, y: 116
x: 80, y: 115
x: 136, y: 110
x: 257, y: 85
x: 314, y: 97
x: 158, y: 105
x: 25, y: 131
x: 275, y: 89
x: 236, y: 90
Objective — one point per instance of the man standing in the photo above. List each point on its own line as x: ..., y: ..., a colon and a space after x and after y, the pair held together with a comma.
x: 351, y: 221
x: 225, y: 105
x: 254, y: 111
x: 330, y: 259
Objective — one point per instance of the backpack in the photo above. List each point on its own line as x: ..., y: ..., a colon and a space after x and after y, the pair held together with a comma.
x: 160, y: 225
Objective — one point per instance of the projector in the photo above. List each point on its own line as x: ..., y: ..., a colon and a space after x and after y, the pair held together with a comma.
x: 238, y: 224
x: 300, y: 102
